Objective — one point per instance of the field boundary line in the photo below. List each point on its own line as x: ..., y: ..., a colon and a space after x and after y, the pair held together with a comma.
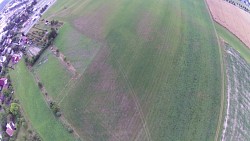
x: 60, y: 56
x: 70, y: 82
x: 216, y: 138
x: 77, y: 79
x: 138, y: 107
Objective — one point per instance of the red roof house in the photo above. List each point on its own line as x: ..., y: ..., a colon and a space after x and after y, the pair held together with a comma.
x: 10, y: 128
x: 16, y: 58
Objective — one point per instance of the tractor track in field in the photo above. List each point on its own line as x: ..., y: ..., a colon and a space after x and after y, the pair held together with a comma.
x: 216, y: 138
x: 74, y: 80
x: 138, y: 107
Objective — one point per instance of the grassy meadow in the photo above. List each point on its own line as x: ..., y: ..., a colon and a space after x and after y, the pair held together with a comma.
x: 35, y: 108
x: 53, y: 75
x: 154, y: 73
x: 78, y: 49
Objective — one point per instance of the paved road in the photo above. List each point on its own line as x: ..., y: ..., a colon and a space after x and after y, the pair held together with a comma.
x: 38, y: 6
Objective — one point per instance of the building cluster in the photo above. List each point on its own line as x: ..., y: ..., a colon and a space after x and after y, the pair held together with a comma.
x: 243, y: 4
x: 16, y: 20
x: 12, y: 46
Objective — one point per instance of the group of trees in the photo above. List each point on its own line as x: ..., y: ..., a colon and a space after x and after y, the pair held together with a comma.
x: 52, y: 34
x: 14, y: 109
x: 44, y: 8
x: 55, y: 108
x: 54, y: 23
x: 51, y: 37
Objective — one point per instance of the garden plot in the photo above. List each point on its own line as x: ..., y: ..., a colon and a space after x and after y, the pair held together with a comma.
x: 236, y: 124
x: 33, y: 51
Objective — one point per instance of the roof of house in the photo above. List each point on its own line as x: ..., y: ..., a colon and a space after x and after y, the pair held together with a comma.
x: 10, y: 131
x: 2, y: 59
x: 3, y: 81
x: 10, y: 128
x: 16, y: 58
x: 9, y: 50
x: 2, y: 97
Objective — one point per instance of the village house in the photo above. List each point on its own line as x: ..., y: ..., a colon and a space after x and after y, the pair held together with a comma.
x: 2, y: 59
x: 23, y: 40
x: 1, y: 136
x: 1, y: 67
x: 8, y: 41
x: 16, y: 58
x: 10, y: 128
x: 2, y: 98
x: 9, y: 50
x: 4, y: 51
x: 3, y: 83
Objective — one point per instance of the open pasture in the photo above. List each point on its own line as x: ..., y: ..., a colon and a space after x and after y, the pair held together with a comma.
x: 35, y: 108
x: 52, y: 73
x: 154, y: 75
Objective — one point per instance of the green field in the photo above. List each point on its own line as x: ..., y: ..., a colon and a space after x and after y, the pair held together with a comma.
x: 234, y: 42
x: 35, y: 108
x: 154, y: 75
x: 53, y: 75
x: 78, y: 49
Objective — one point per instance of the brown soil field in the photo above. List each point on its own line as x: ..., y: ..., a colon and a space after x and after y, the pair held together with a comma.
x: 231, y: 17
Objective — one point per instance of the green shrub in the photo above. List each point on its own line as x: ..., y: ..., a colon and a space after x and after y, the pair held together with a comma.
x: 58, y: 114
x: 70, y: 130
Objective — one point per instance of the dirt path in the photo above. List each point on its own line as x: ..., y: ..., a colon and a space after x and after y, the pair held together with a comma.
x: 62, y: 57
x: 216, y: 138
x: 68, y: 86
